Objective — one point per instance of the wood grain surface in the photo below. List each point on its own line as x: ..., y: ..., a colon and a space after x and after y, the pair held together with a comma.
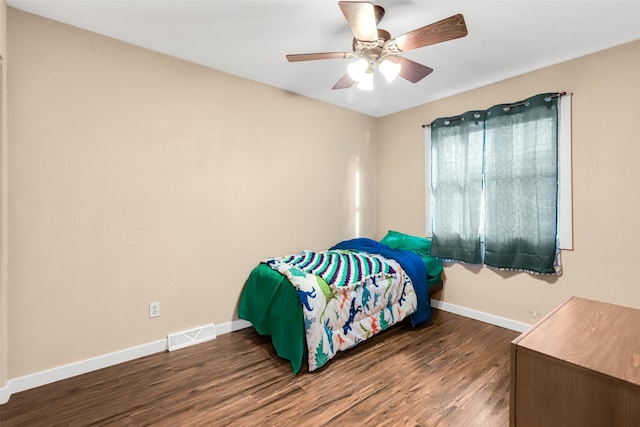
x: 597, y: 336
x: 453, y: 372
x: 579, y: 366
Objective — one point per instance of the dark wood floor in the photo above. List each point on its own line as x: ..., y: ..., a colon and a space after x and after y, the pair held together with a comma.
x: 454, y: 372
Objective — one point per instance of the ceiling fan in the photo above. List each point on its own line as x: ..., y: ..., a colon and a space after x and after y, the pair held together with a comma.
x: 375, y: 48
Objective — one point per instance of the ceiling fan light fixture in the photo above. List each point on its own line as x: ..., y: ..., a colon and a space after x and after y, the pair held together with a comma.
x: 357, y: 69
x: 366, y: 82
x: 389, y: 69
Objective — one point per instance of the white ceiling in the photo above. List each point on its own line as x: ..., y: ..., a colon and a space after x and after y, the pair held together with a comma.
x: 251, y: 38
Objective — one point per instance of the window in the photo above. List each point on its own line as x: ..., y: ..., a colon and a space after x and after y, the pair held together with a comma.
x: 499, y: 185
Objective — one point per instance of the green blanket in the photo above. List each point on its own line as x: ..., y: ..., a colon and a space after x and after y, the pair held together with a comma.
x: 271, y: 304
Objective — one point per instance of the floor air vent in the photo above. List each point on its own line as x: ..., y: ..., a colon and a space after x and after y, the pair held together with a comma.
x: 191, y: 337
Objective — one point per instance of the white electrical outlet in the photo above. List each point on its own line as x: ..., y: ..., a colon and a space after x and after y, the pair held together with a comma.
x: 154, y: 310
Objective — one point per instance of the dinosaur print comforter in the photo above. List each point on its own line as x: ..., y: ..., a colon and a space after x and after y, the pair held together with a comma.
x: 347, y: 296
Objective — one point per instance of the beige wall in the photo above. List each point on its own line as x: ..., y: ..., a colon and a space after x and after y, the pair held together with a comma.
x: 606, y: 200
x: 4, y: 312
x: 136, y: 177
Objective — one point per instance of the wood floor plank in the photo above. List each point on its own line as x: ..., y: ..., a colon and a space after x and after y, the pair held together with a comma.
x: 453, y: 372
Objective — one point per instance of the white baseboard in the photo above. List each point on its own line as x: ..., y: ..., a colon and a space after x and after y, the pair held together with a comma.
x: 236, y: 325
x: 38, y: 379
x: 481, y: 316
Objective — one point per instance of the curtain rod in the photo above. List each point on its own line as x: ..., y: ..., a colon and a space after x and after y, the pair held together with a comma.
x: 516, y: 104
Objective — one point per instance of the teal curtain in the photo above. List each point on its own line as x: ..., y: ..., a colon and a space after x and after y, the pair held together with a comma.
x: 521, y: 152
x: 494, y: 186
x: 456, y: 187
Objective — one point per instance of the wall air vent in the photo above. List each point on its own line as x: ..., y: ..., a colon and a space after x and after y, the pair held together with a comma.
x: 192, y: 336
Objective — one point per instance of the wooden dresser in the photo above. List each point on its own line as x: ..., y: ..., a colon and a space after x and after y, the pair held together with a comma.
x: 578, y: 366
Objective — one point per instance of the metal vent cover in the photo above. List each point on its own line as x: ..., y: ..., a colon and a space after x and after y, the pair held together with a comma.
x: 190, y: 337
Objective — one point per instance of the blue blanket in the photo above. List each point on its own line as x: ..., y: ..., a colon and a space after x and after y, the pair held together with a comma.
x: 409, y: 261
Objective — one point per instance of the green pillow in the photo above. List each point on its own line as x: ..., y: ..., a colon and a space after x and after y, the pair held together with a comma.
x: 407, y: 242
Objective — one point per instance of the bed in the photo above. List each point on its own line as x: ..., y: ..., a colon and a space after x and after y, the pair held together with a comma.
x: 314, y: 304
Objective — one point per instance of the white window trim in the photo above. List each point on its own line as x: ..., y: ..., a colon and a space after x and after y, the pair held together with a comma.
x: 565, y: 185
